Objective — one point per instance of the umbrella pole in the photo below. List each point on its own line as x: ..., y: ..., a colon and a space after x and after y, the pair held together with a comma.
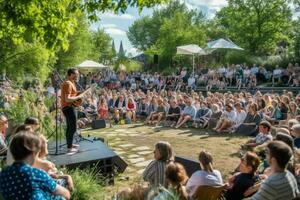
x: 193, y: 64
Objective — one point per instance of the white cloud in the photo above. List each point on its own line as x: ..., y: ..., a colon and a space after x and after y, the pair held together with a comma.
x: 216, y: 4
x: 108, y: 26
x: 110, y: 15
x: 133, y: 51
x: 115, y: 31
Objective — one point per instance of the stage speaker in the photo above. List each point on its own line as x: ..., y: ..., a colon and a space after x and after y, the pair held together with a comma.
x: 119, y: 164
x: 190, y: 165
x: 155, y: 59
x: 98, y: 123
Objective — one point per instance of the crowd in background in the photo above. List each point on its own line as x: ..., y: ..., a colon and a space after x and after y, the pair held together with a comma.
x: 239, y: 76
x: 269, y: 164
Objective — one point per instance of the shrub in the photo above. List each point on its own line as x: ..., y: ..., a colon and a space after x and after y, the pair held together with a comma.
x: 88, y: 185
x: 20, y: 109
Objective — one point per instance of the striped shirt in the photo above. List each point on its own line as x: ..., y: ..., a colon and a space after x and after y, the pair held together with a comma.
x: 278, y: 186
x: 155, y: 173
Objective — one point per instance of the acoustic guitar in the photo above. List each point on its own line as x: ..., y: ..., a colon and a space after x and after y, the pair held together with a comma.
x: 78, y: 102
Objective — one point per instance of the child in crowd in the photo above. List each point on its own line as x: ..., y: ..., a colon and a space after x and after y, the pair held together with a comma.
x: 263, y: 136
x: 176, y: 178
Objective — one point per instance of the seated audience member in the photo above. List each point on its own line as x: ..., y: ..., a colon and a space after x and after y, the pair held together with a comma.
x: 281, y: 184
x: 3, y: 127
x: 240, y: 115
x: 90, y: 109
x: 244, y: 179
x: 152, y: 107
x: 40, y: 161
x: 32, y: 122
x: 28, y: 129
x: 155, y: 171
x: 187, y: 114
x: 273, y: 113
x: 202, y: 115
x: 294, y: 110
x: 156, y: 116
x: 207, y: 176
x: 102, y: 109
x: 215, y: 116
x: 227, y: 119
x: 119, y: 108
x: 131, y: 109
x: 21, y: 180
x: 176, y: 179
x: 296, y: 135
x: 112, y: 102
x: 49, y: 167
x: 263, y: 136
x: 250, y: 125
x: 142, y: 109
x: 173, y: 113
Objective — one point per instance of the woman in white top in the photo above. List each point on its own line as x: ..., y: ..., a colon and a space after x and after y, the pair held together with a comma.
x: 206, y: 176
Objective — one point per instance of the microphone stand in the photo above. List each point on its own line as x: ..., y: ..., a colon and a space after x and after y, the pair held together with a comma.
x: 56, y: 85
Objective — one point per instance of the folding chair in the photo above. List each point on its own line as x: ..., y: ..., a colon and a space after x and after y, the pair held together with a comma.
x: 205, y: 192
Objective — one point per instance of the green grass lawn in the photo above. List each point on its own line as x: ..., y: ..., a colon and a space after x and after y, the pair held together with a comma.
x: 185, y: 142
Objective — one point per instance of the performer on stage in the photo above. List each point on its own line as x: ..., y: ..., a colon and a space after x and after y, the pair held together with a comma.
x: 68, y: 100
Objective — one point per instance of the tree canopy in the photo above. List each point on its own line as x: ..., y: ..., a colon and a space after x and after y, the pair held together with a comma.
x: 48, y: 29
x: 257, y: 25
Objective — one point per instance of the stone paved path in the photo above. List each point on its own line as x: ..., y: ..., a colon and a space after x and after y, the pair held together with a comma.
x: 137, y: 157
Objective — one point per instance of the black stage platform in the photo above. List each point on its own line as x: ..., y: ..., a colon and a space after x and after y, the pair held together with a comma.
x: 91, y: 154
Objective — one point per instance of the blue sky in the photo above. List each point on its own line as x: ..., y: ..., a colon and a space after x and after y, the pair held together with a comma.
x: 116, y: 25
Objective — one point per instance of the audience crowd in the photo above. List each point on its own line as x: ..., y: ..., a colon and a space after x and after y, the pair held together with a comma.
x: 239, y: 76
x: 269, y: 166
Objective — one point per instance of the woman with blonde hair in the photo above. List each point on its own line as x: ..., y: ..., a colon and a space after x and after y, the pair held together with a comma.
x: 41, y: 162
x: 294, y: 110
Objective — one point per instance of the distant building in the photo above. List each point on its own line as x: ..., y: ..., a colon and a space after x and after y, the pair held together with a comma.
x: 121, y: 51
x: 113, y: 48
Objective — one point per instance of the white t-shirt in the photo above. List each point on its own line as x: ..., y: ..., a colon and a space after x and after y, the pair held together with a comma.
x: 191, y: 81
x: 203, y: 178
x: 239, y: 118
x: 276, y: 72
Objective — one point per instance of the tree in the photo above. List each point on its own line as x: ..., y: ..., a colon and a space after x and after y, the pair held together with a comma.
x: 102, y: 50
x: 29, y: 58
x: 166, y: 29
x: 145, y: 31
x: 257, y: 25
x: 80, y: 46
x: 178, y: 30
x: 45, y: 28
x: 53, y: 21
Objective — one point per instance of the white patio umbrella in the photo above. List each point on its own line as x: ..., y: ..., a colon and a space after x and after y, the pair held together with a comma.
x: 191, y: 49
x: 91, y: 64
x: 222, y: 44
